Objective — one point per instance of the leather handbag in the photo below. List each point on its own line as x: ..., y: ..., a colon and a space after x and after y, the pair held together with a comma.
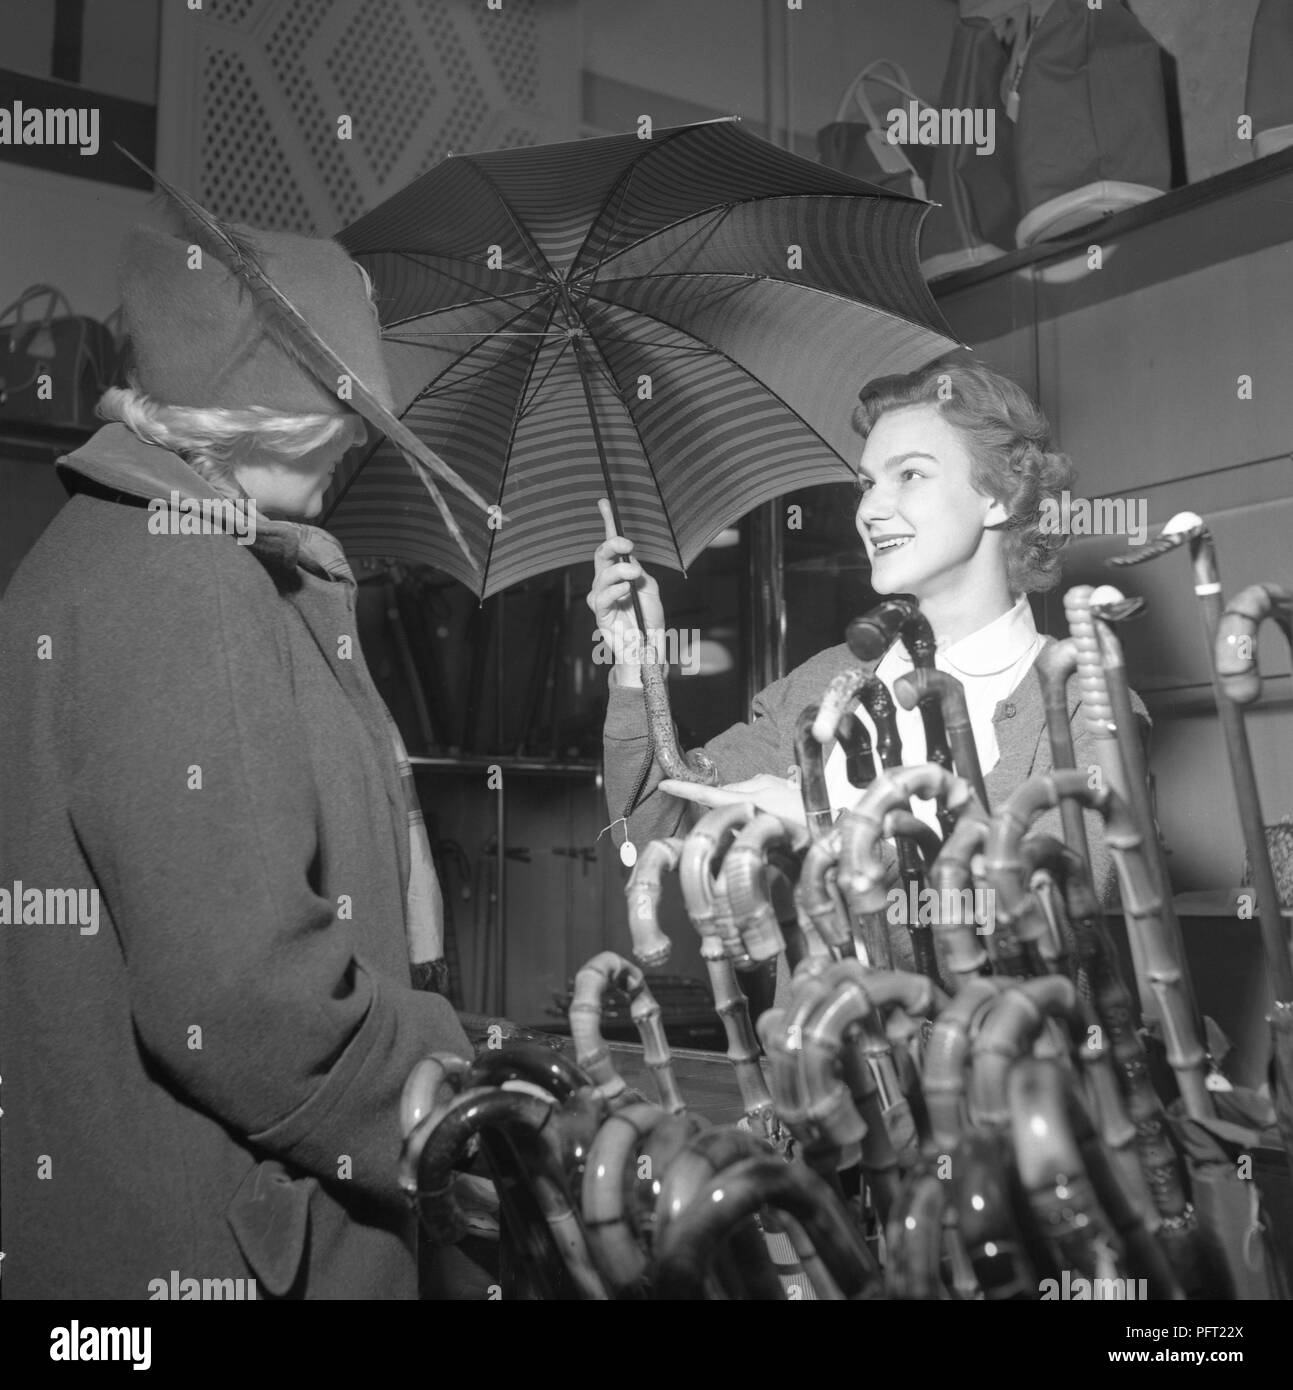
x: 1269, y: 93
x: 978, y: 210
x: 861, y: 147
x: 1092, y: 136
x: 54, y: 364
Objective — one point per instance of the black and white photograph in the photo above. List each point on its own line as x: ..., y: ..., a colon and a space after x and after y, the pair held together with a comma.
x: 645, y: 655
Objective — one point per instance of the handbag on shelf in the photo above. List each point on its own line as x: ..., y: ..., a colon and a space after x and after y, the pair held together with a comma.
x: 1092, y: 136
x: 1269, y: 94
x: 978, y: 210
x: 861, y: 147
x: 54, y: 364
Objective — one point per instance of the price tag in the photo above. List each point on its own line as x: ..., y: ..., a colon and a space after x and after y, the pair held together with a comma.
x: 628, y: 854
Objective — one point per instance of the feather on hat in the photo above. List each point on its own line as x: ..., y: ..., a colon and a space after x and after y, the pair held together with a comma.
x: 263, y: 318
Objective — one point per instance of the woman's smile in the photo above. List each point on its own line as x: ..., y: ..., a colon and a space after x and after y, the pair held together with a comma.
x: 920, y: 516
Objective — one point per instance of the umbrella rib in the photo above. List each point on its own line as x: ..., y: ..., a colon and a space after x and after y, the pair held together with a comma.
x: 471, y: 304
x: 542, y: 266
x: 528, y: 397
x: 462, y: 357
x: 434, y: 388
x: 745, y: 372
x: 716, y: 215
x: 621, y: 190
x: 538, y: 286
x: 610, y: 381
x: 699, y: 350
x: 368, y: 456
x: 750, y: 278
x: 492, y: 333
x: 646, y: 454
x: 726, y: 208
x: 502, y: 481
x: 591, y: 283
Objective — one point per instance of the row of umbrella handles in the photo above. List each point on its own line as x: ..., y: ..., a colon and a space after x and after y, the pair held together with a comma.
x: 1003, y: 1123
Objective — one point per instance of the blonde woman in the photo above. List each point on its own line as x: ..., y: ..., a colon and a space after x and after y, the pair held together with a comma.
x: 205, y: 1080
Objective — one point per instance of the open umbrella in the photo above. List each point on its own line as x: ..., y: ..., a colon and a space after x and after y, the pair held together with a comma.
x: 680, y: 323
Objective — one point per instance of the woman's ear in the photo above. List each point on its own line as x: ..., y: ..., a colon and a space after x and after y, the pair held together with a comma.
x: 996, y: 515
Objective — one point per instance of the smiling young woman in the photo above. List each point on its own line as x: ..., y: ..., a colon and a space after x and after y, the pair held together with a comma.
x: 955, y: 466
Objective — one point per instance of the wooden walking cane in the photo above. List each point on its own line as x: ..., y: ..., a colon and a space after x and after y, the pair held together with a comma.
x: 1108, y: 606
x: 1189, y: 527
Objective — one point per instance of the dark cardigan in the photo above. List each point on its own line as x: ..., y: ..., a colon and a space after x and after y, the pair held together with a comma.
x: 766, y: 745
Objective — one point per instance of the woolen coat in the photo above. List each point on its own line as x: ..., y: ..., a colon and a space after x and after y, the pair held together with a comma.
x: 209, y: 1083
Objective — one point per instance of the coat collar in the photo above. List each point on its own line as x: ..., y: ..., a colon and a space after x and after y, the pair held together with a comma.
x: 117, y: 461
x: 995, y: 647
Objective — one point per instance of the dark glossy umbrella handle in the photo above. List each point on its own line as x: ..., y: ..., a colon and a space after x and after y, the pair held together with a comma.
x: 532, y: 1062
x: 686, y: 1247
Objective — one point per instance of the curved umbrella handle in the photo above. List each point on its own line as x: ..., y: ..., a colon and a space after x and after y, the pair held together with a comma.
x: 602, y: 972
x: 642, y: 894
x: 1236, y: 653
x: 696, y: 766
x: 837, y: 1260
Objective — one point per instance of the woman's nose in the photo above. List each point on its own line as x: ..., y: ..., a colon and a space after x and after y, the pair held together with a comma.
x: 873, y: 507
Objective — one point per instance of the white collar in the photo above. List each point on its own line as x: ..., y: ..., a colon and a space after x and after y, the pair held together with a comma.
x: 992, y: 649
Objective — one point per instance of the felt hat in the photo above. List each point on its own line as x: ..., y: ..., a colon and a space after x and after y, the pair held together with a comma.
x: 275, y: 319
x: 198, y: 338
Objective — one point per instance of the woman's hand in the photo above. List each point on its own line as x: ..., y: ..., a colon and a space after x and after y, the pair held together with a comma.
x: 616, y: 574
x: 777, y: 795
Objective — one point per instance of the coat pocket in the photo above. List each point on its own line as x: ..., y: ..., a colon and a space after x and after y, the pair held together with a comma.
x: 270, y: 1219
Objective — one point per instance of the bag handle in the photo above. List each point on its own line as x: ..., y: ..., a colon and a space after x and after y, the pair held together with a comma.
x: 898, y: 82
x: 24, y: 331
x: 892, y: 158
x: 56, y: 297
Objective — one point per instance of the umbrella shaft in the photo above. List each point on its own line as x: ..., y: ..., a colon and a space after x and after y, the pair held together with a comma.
x: 577, y: 347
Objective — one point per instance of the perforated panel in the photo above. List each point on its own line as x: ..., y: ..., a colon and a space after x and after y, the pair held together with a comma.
x: 233, y: 12
x: 244, y: 172
x: 388, y: 114
x: 469, y: 110
x: 288, y: 41
x: 513, y: 47
x: 265, y: 81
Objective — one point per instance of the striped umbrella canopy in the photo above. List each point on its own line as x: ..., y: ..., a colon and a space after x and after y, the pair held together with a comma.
x: 680, y: 323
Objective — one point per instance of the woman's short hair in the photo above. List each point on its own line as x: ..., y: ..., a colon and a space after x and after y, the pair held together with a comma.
x: 1009, y: 443
x: 213, y: 441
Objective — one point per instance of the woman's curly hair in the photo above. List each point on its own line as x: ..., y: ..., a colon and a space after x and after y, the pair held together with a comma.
x: 214, y: 440
x: 1009, y: 443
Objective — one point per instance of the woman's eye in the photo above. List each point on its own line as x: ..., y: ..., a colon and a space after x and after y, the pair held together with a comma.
x: 911, y: 473
x: 864, y: 486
